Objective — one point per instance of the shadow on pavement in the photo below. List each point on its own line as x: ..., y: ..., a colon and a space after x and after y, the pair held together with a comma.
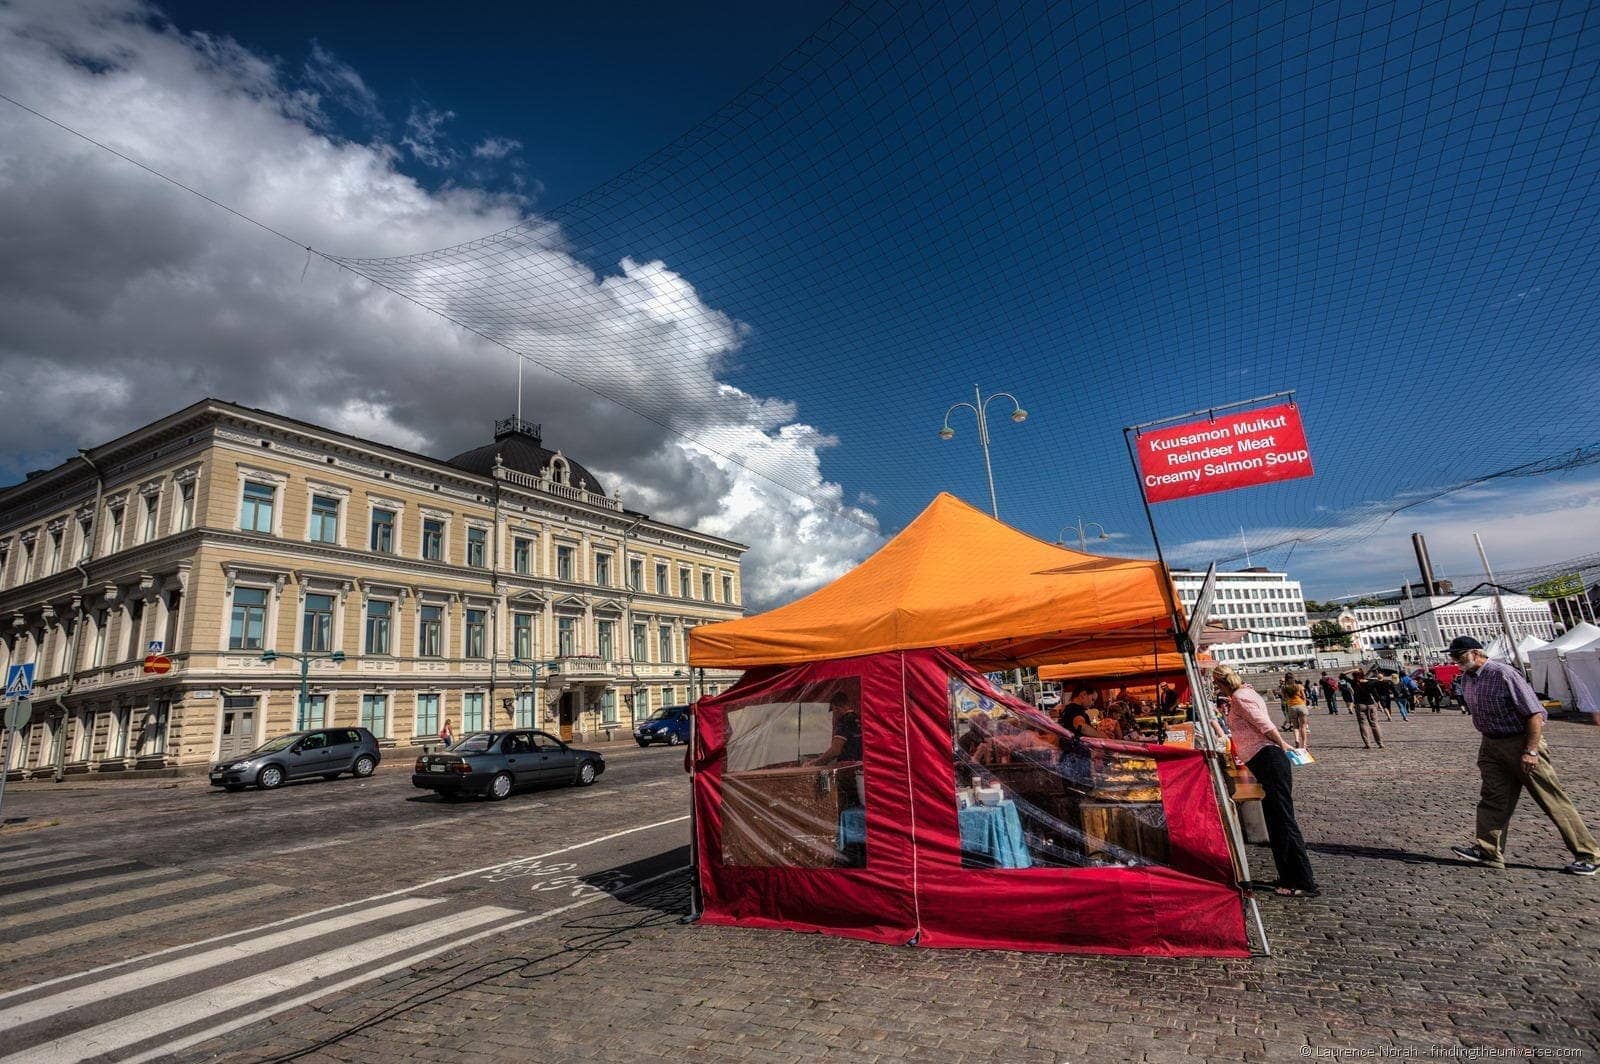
x: 1386, y: 853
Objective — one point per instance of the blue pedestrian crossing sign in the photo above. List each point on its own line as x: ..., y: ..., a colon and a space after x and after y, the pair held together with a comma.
x: 19, y: 681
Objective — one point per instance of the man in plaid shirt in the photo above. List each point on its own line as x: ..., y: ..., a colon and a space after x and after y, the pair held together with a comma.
x: 1511, y: 756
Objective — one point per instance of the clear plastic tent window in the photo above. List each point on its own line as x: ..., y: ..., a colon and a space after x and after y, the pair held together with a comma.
x: 1030, y: 796
x: 794, y: 790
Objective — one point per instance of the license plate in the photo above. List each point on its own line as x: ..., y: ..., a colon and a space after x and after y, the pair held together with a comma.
x: 435, y: 768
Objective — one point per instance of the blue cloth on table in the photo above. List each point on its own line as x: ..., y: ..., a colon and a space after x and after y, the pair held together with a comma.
x: 995, y: 831
x: 992, y: 830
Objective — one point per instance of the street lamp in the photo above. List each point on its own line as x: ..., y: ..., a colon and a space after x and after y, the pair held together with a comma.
x: 305, y: 659
x: 979, y: 406
x: 533, y: 681
x: 1080, y: 527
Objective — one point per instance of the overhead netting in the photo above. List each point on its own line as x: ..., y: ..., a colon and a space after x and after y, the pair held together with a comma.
x: 1116, y: 213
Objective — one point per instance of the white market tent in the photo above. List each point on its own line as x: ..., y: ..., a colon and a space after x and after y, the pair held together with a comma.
x: 1553, y: 675
x: 1500, y: 649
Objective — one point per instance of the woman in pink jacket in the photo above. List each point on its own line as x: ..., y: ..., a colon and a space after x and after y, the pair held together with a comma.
x: 1257, y: 743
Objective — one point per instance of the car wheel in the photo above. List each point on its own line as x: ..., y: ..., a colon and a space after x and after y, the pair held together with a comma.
x: 363, y: 767
x: 586, y: 773
x: 500, y: 787
x: 269, y: 777
x: 674, y: 739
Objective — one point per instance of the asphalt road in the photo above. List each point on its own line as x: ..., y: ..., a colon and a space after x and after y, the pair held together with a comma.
x: 136, y: 915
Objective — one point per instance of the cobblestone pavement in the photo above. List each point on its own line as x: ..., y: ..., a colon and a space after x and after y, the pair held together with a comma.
x: 1407, y: 949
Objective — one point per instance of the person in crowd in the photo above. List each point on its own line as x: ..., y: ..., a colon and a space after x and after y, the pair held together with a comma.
x: 1346, y: 689
x: 1433, y: 691
x: 1330, y: 687
x: 1293, y: 696
x: 1364, y: 702
x: 979, y: 729
x: 1405, y: 696
x: 446, y: 736
x: 1075, y: 714
x: 1311, y: 694
x: 846, y: 744
x: 1512, y: 755
x: 1383, y: 691
x: 1264, y: 752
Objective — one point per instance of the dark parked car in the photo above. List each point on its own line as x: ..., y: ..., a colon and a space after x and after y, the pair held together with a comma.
x: 669, y: 724
x: 325, y: 752
x: 496, y: 763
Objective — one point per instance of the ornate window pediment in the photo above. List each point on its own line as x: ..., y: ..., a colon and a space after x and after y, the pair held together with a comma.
x: 570, y: 603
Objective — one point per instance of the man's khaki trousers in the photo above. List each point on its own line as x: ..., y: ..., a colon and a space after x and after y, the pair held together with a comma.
x: 1500, y: 765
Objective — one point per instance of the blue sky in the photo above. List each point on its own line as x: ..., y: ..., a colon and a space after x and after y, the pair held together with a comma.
x: 1118, y: 216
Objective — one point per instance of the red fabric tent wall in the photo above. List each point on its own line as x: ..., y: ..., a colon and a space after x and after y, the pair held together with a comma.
x: 914, y: 888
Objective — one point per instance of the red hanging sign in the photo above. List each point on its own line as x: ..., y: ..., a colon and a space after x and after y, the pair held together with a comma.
x: 1261, y: 446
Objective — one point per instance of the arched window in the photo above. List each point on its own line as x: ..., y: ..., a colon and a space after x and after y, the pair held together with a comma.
x: 560, y: 471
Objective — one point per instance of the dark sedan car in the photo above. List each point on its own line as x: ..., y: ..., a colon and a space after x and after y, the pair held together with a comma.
x: 496, y: 763
x: 325, y: 752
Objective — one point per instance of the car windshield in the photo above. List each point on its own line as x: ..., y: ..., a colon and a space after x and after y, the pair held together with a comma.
x: 666, y: 713
x: 282, y: 742
x: 477, y: 743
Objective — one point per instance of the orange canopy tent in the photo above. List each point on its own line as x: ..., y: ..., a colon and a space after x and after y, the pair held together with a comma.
x: 957, y: 578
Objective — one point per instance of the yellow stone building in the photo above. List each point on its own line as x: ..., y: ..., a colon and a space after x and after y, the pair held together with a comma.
x: 501, y: 587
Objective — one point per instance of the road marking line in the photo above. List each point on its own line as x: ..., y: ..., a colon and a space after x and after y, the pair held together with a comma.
x: 90, y: 932
x: 337, y: 908
x: 106, y: 901
x: 154, y: 1022
x: 168, y: 1048
x: 75, y: 865
x: 82, y: 884
x: 37, y: 857
x: 89, y: 993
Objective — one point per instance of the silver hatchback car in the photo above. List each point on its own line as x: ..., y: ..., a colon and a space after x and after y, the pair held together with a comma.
x: 325, y: 752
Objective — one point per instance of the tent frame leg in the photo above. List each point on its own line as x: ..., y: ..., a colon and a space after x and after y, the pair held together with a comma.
x: 696, y: 903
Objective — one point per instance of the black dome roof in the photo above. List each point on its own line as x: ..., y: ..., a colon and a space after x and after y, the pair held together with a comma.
x: 520, y: 446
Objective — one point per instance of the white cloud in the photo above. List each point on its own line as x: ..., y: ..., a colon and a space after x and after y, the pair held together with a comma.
x: 123, y: 298
x: 495, y: 147
x: 425, y: 136
x: 339, y: 81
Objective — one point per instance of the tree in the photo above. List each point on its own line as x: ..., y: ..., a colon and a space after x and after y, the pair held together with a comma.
x: 1327, y: 635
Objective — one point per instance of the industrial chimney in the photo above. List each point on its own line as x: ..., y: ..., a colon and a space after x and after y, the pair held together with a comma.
x: 1420, y: 545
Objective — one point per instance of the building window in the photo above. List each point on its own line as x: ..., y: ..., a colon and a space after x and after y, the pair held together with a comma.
x: 608, y: 706
x: 683, y: 583
x: 174, y: 614
x: 523, y: 716
x: 186, y: 506
x: 427, y: 715
x: 153, y: 502
x: 635, y: 574
x: 727, y: 588
x: 312, y: 714
x: 602, y: 570
x: 432, y: 539
x: 430, y: 642
x: 255, y: 511
x: 85, y: 539
x: 382, y: 538
x: 316, y: 634
x: 522, y: 555
x: 566, y: 636
x: 324, y: 519
x: 85, y: 737
x: 472, y: 711
x: 379, y: 614
x: 249, y: 624
x: 114, y: 533
x: 55, y: 551
x: 477, y: 545
x: 705, y: 586
x: 664, y: 642
x: 522, y: 636
x: 566, y: 557
x: 375, y: 714
x: 641, y: 636
x: 102, y: 619
x: 475, y: 634
x: 606, y: 639
x: 153, y: 733
x: 117, y: 741
x: 661, y: 578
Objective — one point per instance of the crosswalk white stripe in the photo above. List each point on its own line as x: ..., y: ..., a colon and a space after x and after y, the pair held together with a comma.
x: 18, y: 897
x: 107, y: 901
x: 81, y: 933
x: 77, y: 997
x: 82, y: 864
x: 36, y: 857
x: 154, y: 1022
x: 236, y: 1022
x: 343, y: 905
